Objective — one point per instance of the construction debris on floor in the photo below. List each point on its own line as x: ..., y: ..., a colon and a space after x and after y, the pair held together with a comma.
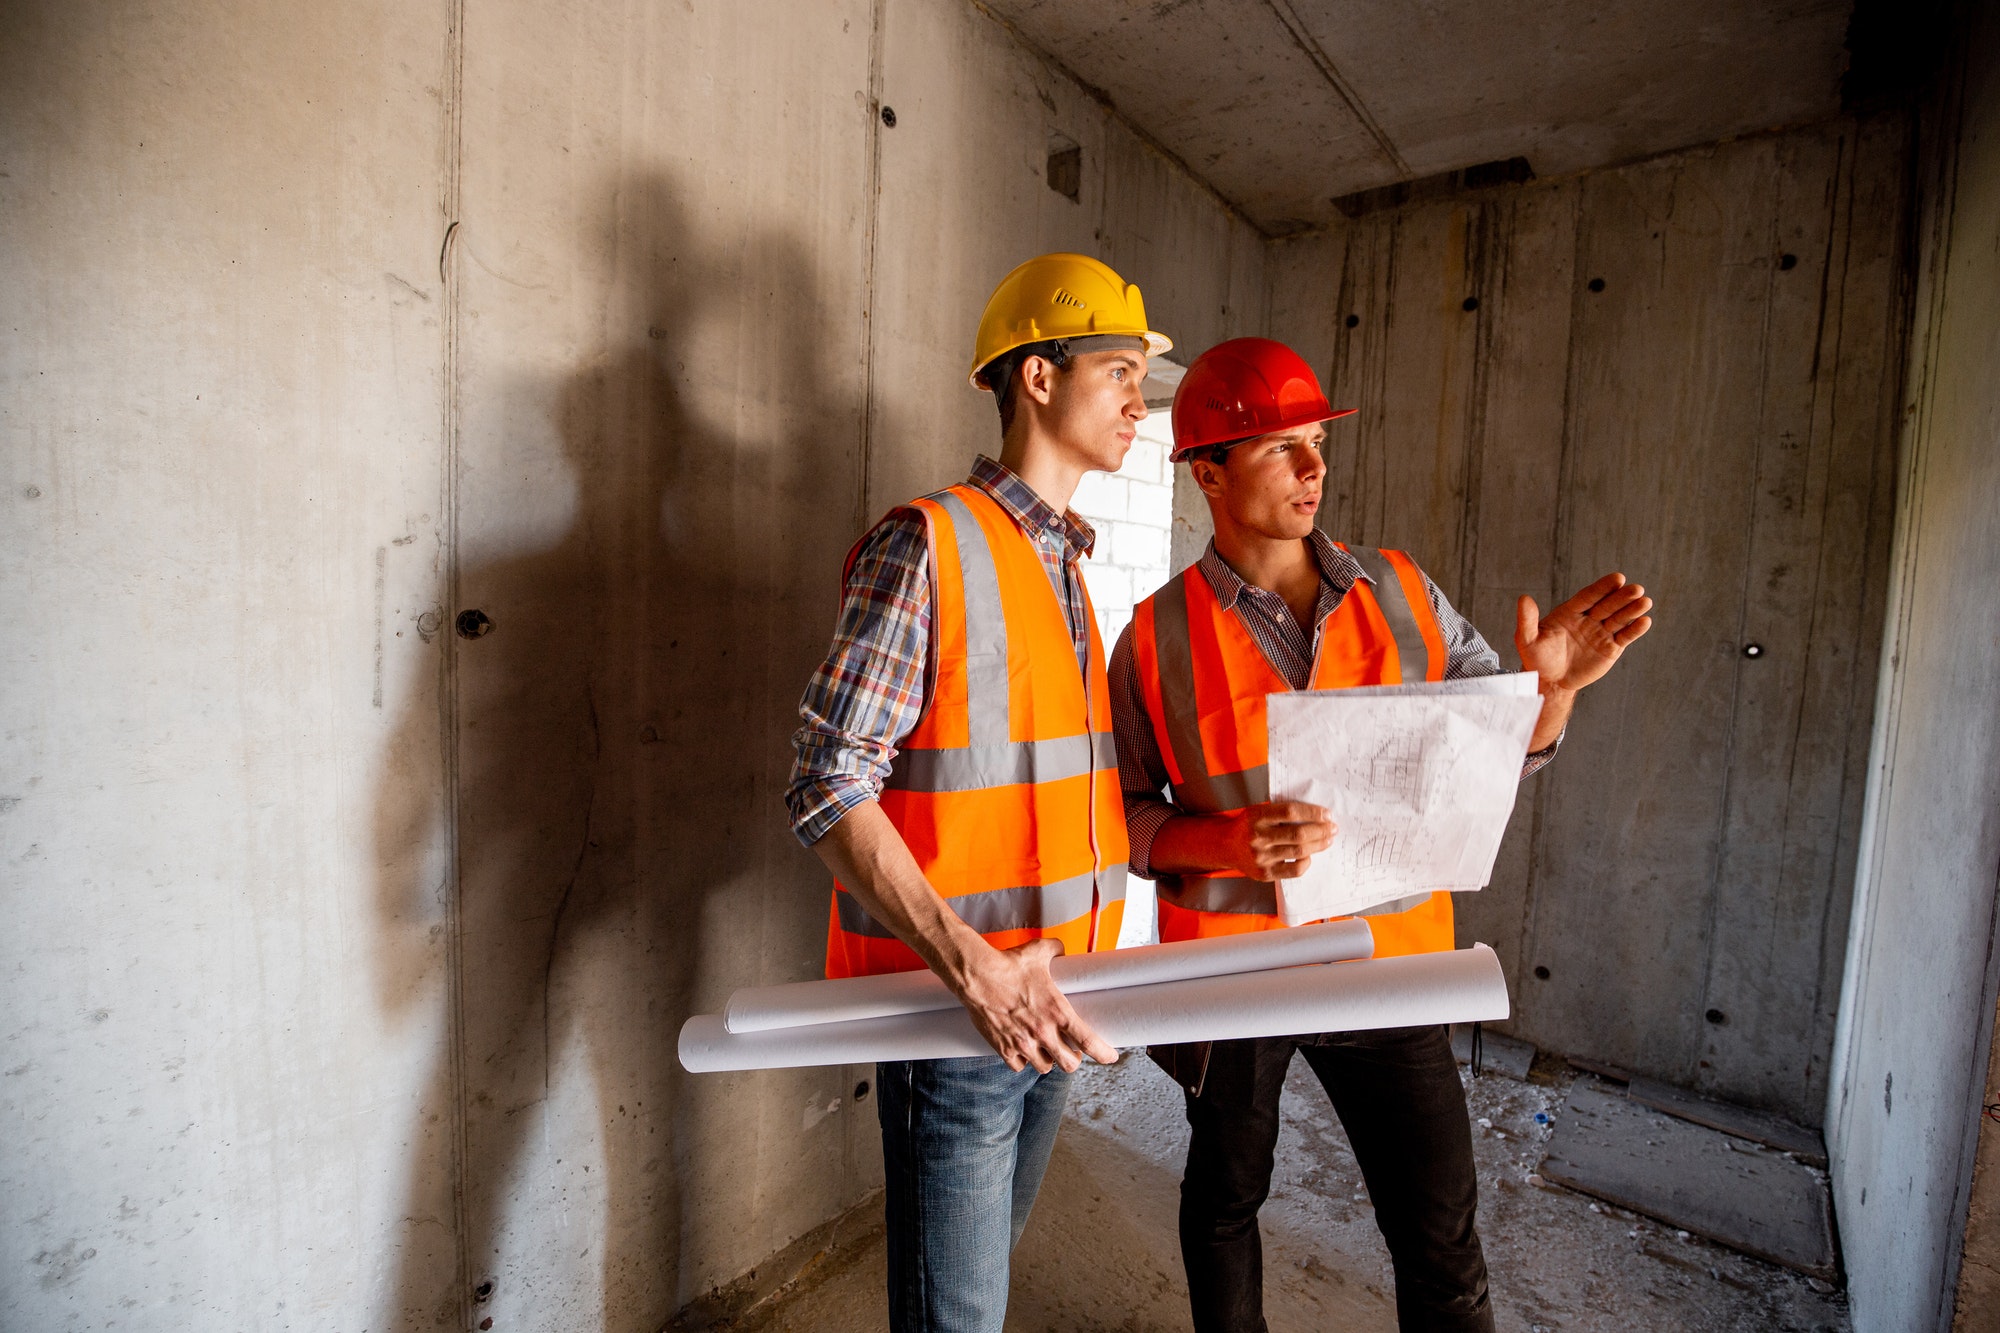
x: 1748, y: 1196
x: 1559, y: 1260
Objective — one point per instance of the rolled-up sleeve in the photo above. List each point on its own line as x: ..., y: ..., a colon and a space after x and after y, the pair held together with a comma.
x: 1142, y: 771
x: 870, y: 691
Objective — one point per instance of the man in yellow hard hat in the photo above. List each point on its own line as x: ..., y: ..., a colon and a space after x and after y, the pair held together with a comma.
x: 956, y: 773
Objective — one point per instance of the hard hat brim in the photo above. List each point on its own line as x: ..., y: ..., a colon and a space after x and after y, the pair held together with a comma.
x: 1181, y: 451
x: 1157, y: 344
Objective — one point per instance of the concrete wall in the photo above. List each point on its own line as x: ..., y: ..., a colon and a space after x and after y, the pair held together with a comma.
x: 346, y: 955
x: 1684, y: 369
x: 1917, y: 1010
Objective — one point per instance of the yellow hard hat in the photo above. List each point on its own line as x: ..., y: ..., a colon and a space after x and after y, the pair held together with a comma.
x: 1060, y: 296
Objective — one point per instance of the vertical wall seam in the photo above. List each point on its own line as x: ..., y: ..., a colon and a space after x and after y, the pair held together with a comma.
x: 878, y: 22
x: 1832, y: 326
x: 1710, y: 906
x: 1559, y: 535
x: 451, y: 171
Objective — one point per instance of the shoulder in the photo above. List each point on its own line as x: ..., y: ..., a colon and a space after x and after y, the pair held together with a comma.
x: 898, y: 545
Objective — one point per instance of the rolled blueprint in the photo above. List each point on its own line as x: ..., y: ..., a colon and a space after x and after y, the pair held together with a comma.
x: 1461, y: 986
x: 760, y: 1008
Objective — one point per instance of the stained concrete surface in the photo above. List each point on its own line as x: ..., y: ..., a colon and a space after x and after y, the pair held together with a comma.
x: 1285, y: 105
x: 1918, y: 998
x: 1101, y: 1256
x: 1552, y: 382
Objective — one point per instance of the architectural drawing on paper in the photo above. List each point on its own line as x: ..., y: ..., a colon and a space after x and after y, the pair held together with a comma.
x: 1380, y: 851
x: 1398, y: 766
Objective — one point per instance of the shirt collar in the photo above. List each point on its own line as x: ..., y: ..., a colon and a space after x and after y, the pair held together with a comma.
x: 1337, y: 569
x: 1035, y: 515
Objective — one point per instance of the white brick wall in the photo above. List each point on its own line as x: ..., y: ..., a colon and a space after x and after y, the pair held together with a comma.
x: 1133, y: 512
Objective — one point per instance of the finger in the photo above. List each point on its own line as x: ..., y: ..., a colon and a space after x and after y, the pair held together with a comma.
x: 1288, y: 869
x: 1626, y: 615
x: 1303, y: 840
x: 1632, y: 632
x: 1282, y: 813
x: 1595, y: 593
x: 1527, y: 621
x: 1613, y: 600
x: 1041, y: 951
x: 1084, y: 1037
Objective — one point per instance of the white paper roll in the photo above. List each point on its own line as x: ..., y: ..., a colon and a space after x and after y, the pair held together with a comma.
x: 1462, y: 986
x: 800, y: 1003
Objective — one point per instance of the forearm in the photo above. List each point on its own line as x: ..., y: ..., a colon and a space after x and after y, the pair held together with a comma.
x: 870, y: 859
x: 1191, y: 845
x: 1556, y: 706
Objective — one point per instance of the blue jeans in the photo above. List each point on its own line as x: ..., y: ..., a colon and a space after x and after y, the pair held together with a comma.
x: 964, y: 1146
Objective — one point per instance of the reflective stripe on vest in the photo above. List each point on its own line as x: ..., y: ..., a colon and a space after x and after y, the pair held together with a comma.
x: 1006, y: 791
x: 1204, y: 679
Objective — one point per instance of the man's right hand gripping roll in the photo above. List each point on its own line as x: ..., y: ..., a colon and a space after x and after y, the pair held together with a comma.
x: 1013, y: 1001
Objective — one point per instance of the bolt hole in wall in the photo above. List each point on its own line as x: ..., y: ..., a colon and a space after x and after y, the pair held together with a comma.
x: 1133, y: 512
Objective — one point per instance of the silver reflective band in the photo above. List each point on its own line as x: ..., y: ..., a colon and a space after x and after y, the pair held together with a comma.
x: 1042, y: 906
x: 978, y: 767
x: 1415, y: 654
x: 986, y: 684
x: 1173, y: 654
x: 1199, y: 893
x: 1224, y: 791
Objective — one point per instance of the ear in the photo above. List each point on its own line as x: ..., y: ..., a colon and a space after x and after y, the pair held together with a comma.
x: 1038, y: 376
x: 1207, y: 476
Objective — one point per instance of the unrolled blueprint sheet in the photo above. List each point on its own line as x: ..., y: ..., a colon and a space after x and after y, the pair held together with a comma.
x: 1420, y: 780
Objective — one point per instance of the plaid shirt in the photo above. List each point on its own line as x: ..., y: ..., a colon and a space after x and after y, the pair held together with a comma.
x: 1142, y: 772
x: 872, y: 689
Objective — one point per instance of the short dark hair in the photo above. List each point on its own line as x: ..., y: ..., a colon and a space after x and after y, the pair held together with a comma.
x: 999, y: 373
x: 1218, y: 454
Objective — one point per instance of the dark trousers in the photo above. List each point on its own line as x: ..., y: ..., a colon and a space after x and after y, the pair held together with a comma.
x: 1398, y: 1096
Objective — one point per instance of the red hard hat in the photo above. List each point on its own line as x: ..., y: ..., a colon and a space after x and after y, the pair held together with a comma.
x: 1244, y: 388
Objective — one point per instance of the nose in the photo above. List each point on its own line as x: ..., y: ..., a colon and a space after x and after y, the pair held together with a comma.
x: 1313, y: 465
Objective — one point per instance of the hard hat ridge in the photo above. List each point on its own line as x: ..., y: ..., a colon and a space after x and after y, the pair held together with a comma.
x: 1061, y: 297
x: 1243, y: 388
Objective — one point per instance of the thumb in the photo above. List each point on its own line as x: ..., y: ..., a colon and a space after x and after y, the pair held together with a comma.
x: 1043, y: 951
x: 1527, y: 621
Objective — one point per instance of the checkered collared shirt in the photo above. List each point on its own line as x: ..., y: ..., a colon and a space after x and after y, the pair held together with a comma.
x: 872, y: 689
x: 1142, y: 772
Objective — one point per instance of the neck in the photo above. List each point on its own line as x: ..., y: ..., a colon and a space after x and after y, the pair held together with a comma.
x: 1276, y: 564
x: 1036, y: 458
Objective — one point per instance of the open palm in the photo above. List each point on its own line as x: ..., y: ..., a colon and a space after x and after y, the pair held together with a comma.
x: 1578, y: 642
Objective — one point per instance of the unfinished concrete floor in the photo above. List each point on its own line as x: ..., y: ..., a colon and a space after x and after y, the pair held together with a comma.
x: 1100, y: 1253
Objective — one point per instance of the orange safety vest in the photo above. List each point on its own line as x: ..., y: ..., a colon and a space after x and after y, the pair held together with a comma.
x: 1204, y: 679
x: 1007, y: 790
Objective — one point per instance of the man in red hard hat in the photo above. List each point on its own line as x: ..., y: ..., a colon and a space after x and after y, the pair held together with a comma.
x: 1275, y: 604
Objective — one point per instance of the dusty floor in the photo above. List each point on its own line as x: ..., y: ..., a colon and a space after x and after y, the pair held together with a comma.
x: 1100, y: 1253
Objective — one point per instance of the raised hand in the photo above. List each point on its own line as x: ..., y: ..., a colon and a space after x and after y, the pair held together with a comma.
x: 1575, y: 644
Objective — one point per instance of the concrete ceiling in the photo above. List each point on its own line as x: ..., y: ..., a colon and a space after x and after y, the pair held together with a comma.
x: 1285, y: 105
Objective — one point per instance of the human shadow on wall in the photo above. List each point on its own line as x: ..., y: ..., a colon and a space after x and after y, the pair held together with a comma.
x: 622, y: 748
